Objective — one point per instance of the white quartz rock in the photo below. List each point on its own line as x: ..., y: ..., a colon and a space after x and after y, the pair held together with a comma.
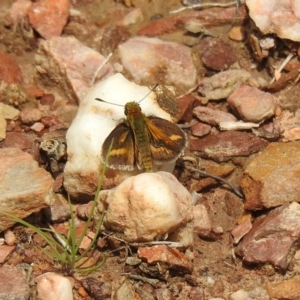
x: 150, y: 206
x: 93, y: 123
x: 279, y: 17
x: 52, y: 286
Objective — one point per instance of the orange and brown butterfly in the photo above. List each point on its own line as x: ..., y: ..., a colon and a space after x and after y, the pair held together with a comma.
x: 142, y: 141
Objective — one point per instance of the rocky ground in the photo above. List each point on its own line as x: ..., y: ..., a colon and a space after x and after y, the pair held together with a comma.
x: 234, y: 71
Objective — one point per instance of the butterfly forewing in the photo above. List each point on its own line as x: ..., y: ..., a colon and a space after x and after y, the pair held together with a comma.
x: 122, y: 153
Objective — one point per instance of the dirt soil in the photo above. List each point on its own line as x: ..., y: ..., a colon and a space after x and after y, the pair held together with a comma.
x: 216, y: 270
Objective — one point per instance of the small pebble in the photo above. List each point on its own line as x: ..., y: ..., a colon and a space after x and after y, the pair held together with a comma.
x: 30, y: 115
x: 10, y: 237
x: 38, y: 126
x: 237, y: 33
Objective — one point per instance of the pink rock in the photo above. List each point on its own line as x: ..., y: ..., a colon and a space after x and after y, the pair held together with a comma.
x: 30, y: 115
x: 240, y: 230
x: 13, y: 283
x: 272, y: 237
x: 5, y: 251
x: 25, y: 188
x: 10, y: 71
x: 37, y: 126
x: 49, y: 18
x: 216, y: 54
x: 71, y: 63
x: 18, y: 140
x: 272, y: 178
x: 152, y: 61
x: 212, y: 116
x: 200, y: 129
x: 202, y: 222
x: 226, y: 145
x: 252, y: 104
x: 164, y: 254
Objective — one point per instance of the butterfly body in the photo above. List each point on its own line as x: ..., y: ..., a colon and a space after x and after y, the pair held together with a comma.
x: 141, y: 141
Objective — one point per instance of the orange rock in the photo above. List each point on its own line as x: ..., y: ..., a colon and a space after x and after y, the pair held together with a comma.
x: 10, y: 71
x: 49, y: 18
x: 288, y: 289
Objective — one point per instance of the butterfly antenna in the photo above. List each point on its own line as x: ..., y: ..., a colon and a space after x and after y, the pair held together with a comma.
x: 98, y: 99
x: 148, y: 93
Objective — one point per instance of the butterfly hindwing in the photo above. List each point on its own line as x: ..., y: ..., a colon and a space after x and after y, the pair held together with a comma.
x: 122, y: 155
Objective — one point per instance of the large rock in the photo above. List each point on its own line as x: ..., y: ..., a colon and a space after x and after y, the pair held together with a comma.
x: 150, y: 206
x: 74, y: 65
x: 273, y: 237
x: 24, y: 187
x: 272, y: 178
x: 152, y: 61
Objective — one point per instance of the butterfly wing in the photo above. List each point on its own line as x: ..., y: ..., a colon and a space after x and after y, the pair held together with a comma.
x: 167, y: 140
x: 122, y: 154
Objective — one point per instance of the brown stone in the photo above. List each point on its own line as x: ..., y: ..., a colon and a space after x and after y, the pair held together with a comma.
x: 213, y: 16
x: 200, y: 129
x: 216, y: 54
x: 164, y: 254
x: 287, y: 289
x: 272, y: 237
x: 18, y: 140
x: 49, y: 18
x: 10, y: 71
x: 272, y: 178
x: 226, y: 145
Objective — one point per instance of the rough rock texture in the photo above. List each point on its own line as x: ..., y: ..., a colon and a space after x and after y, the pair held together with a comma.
x: 163, y: 254
x: 13, y: 284
x: 221, y: 85
x: 24, y: 187
x: 252, y: 104
x: 272, y: 178
x: 225, y: 145
x: 152, y: 61
x: 273, y: 237
x: 73, y: 65
x: 279, y: 17
x: 212, y: 116
x: 216, y: 53
x: 287, y: 289
x: 10, y: 71
x: 148, y: 206
x: 49, y: 18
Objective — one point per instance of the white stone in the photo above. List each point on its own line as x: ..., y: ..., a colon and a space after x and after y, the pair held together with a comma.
x: 93, y: 123
x: 52, y: 286
x: 149, y: 206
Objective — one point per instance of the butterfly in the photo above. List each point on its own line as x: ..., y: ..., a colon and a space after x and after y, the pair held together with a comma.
x: 142, y: 141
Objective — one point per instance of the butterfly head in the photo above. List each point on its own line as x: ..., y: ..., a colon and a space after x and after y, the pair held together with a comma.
x: 132, y: 108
